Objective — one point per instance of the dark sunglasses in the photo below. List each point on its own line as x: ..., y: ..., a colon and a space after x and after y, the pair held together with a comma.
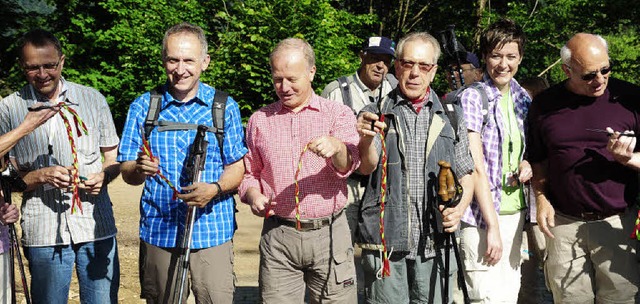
x: 594, y: 74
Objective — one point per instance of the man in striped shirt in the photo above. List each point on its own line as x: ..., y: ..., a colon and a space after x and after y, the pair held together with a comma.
x: 55, y: 236
x: 302, y: 148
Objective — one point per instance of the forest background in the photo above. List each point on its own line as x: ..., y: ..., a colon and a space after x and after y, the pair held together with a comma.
x: 115, y: 45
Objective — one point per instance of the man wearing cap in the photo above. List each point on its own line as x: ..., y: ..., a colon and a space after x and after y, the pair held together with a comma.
x: 470, y: 67
x: 371, y: 82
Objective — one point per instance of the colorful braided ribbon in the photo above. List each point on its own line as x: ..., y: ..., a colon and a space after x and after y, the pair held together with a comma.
x: 75, y: 175
x: 636, y: 229
x: 297, y: 188
x: 146, y: 148
x: 386, y: 269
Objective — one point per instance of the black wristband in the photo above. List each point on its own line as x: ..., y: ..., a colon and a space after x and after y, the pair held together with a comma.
x: 219, y: 189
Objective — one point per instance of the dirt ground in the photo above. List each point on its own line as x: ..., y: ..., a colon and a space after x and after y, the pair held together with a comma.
x: 125, y: 200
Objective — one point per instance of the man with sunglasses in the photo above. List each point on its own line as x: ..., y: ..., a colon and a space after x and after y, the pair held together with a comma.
x: 586, y: 183
x: 417, y: 135
x: 370, y: 82
x: 55, y: 236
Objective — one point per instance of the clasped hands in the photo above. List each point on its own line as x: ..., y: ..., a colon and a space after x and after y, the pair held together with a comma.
x: 198, y: 194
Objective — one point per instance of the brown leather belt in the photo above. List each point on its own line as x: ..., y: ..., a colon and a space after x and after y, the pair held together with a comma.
x: 307, y: 224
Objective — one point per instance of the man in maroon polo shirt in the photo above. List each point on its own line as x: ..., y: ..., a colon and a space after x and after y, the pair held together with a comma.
x: 586, y: 182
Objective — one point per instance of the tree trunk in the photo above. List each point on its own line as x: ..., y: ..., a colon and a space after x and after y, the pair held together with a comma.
x: 478, y: 30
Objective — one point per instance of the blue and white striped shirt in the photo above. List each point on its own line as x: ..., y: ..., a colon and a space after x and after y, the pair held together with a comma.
x: 46, y: 211
x: 162, y: 219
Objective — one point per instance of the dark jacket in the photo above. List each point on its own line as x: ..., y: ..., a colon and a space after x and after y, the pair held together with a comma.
x: 397, y: 219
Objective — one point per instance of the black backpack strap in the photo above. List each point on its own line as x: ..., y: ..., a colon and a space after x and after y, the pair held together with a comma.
x: 450, y: 110
x: 155, y: 103
x: 217, y: 114
x: 343, y: 82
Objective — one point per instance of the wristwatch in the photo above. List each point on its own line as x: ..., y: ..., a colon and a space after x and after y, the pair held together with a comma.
x: 219, y: 189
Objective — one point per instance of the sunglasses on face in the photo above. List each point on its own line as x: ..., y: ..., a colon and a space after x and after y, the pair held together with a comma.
x: 408, y: 65
x: 592, y: 75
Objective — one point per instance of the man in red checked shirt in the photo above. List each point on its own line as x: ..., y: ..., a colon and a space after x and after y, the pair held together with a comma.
x: 302, y: 148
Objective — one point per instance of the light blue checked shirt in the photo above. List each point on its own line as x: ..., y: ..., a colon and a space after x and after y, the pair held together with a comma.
x: 162, y: 219
x: 492, y: 136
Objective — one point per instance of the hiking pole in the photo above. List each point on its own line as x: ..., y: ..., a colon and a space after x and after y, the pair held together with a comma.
x: 457, y: 48
x: 452, y: 49
x: 194, y: 166
x: 450, y: 193
x: 8, y: 179
x: 453, y: 84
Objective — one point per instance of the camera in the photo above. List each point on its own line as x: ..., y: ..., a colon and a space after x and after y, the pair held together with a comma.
x: 11, y: 177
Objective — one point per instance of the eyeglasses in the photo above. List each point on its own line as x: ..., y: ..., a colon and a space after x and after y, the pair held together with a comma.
x: 594, y: 74
x: 408, y: 64
x: 47, y: 67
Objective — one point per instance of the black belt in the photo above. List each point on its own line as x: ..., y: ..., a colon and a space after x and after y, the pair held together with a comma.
x: 307, y: 224
x: 590, y: 216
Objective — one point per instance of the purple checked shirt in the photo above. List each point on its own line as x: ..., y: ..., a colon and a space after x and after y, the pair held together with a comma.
x: 492, y: 136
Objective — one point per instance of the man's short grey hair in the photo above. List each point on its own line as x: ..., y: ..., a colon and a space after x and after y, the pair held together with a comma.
x: 293, y: 44
x: 421, y: 36
x: 186, y: 28
x: 565, y: 52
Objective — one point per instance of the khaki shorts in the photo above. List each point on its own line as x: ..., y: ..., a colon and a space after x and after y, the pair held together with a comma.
x: 593, y: 261
x: 321, y: 260
x: 210, y: 269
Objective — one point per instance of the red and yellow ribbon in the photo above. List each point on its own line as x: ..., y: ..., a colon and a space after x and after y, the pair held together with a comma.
x: 75, y: 175
x: 636, y: 229
x: 297, y: 188
x: 386, y: 268
x: 146, y: 148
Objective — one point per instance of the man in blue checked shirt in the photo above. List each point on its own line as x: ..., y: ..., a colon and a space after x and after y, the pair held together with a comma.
x: 185, y: 100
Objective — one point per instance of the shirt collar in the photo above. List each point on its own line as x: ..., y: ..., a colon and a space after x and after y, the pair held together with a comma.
x: 361, y: 85
x: 313, y: 104
x: 201, y: 96
x: 61, y: 96
x: 517, y: 91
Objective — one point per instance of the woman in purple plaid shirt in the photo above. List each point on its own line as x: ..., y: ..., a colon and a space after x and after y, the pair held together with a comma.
x: 497, y: 148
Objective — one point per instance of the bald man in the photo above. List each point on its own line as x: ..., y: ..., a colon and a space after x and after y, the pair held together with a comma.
x: 586, y: 182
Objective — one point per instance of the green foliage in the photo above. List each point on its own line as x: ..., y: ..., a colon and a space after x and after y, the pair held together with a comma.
x: 115, y: 45
x: 252, y: 28
x: 553, y: 22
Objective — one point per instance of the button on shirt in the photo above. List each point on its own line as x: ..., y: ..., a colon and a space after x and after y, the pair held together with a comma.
x: 492, y: 136
x: 276, y: 137
x: 163, y: 219
x: 46, y: 211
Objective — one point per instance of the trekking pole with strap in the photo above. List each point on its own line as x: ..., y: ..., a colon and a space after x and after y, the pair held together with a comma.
x: 450, y: 192
x: 10, y: 179
x: 452, y: 49
x: 194, y: 167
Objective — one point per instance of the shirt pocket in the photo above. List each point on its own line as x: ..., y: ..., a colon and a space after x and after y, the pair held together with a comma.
x: 88, y: 149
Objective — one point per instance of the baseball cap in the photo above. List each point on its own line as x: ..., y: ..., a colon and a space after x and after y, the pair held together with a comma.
x: 379, y: 45
x: 467, y: 57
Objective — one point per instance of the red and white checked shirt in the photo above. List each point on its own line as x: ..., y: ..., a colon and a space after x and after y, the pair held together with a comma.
x: 276, y: 137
